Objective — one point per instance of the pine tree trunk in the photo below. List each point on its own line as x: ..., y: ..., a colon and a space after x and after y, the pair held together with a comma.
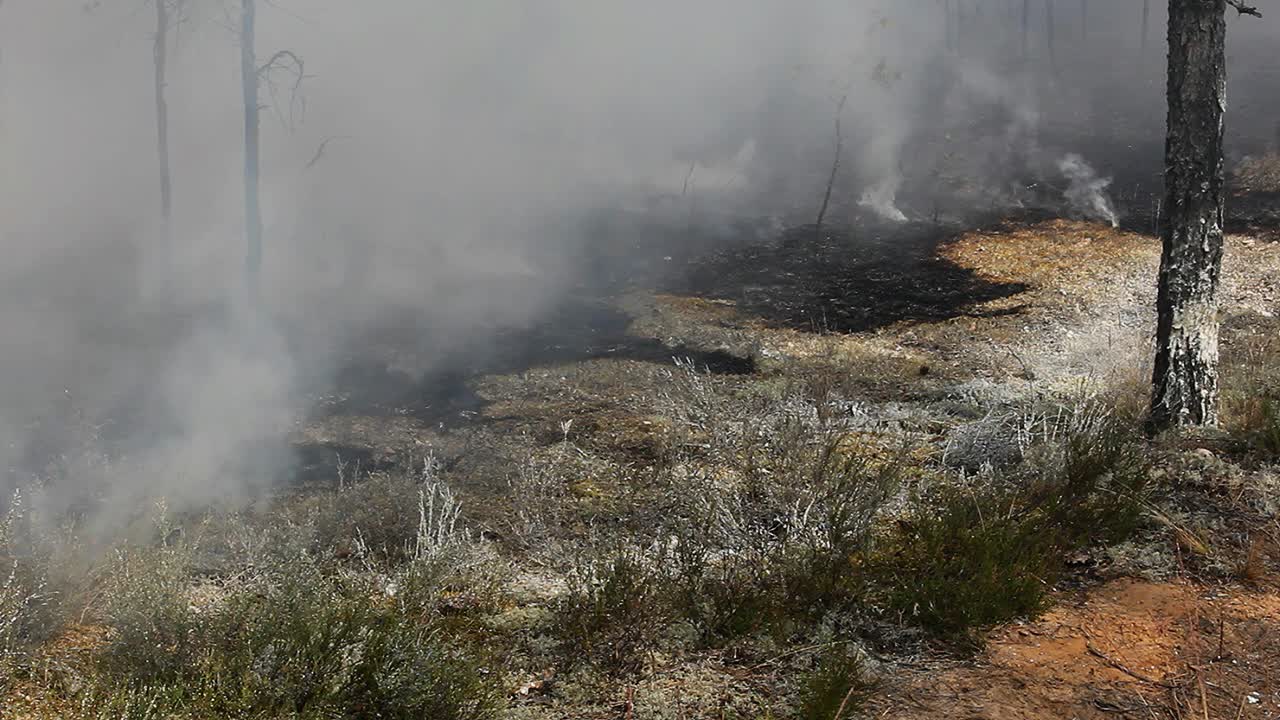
x: 252, y: 208
x: 1185, y: 377
x: 162, y: 112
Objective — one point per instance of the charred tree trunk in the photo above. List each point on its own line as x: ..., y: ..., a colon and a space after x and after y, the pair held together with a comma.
x: 835, y: 167
x: 1185, y: 377
x: 252, y: 206
x: 162, y: 113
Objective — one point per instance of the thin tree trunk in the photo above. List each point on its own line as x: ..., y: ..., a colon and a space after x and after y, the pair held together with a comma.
x: 835, y: 165
x: 252, y: 208
x: 162, y: 113
x: 1049, y: 32
x: 949, y: 24
x: 1084, y: 19
x: 1026, y: 28
x: 1146, y: 24
x: 1185, y: 376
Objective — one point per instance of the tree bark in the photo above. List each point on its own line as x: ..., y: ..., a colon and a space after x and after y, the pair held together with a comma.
x: 252, y: 206
x: 162, y: 112
x: 1185, y: 376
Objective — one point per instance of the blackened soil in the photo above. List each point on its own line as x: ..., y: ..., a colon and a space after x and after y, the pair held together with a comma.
x: 577, y: 329
x: 846, y: 279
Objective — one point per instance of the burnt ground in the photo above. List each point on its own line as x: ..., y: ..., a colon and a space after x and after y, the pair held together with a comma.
x: 945, y: 322
x: 846, y: 279
x: 919, y: 328
x: 860, y: 276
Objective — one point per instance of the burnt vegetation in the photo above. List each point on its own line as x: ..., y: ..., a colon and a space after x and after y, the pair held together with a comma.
x: 744, y: 465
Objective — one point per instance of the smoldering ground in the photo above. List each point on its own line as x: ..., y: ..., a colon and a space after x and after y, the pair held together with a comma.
x: 433, y: 185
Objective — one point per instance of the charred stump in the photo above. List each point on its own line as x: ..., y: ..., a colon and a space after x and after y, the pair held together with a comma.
x: 1185, y: 376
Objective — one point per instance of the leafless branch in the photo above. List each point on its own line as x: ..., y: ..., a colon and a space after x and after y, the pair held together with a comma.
x: 1243, y: 9
x: 288, y: 61
x: 320, y: 150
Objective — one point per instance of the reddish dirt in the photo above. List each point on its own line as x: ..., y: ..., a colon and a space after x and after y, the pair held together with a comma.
x: 1128, y: 648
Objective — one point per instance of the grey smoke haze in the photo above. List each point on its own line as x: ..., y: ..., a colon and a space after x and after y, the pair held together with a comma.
x: 465, y: 137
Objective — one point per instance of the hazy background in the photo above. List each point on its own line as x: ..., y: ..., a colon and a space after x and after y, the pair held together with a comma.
x: 466, y: 139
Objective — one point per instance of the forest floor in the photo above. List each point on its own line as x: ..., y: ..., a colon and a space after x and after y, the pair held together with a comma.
x: 935, y: 336
x: 629, y: 411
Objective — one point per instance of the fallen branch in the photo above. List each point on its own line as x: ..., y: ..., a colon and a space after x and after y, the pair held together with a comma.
x: 320, y: 150
x: 1122, y: 668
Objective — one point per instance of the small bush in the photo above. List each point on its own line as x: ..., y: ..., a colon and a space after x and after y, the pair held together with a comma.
x: 779, y: 547
x: 975, y: 554
x: 837, y: 688
x: 963, y: 564
x: 380, y: 511
x: 25, y: 601
x: 1251, y: 397
x: 300, y: 634
x: 614, y: 609
x: 296, y: 641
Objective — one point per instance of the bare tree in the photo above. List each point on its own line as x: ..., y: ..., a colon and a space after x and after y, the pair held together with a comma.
x: 1026, y: 28
x: 1185, y: 373
x: 165, y: 11
x: 835, y: 163
x: 252, y: 199
x: 1049, y: 31
x: 251, y: 76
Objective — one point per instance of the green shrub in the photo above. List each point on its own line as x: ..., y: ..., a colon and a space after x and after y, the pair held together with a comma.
x: 965, y: 565
x: 613, y: 610
x: 976, y: 554
x: 837, y: 688
x: 297, y: 641
x: 779, y: 548
x: 297, y: 634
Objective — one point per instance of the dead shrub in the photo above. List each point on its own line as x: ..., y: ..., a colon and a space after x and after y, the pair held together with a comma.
x: 25, y: 598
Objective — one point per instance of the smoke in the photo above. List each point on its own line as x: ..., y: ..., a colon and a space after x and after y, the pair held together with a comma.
x: 433, y: 193
x: 1086, y: 192
x: 880, y: 199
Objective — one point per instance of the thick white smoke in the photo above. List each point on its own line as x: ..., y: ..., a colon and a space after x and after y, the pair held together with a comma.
x: 1086, y: 192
